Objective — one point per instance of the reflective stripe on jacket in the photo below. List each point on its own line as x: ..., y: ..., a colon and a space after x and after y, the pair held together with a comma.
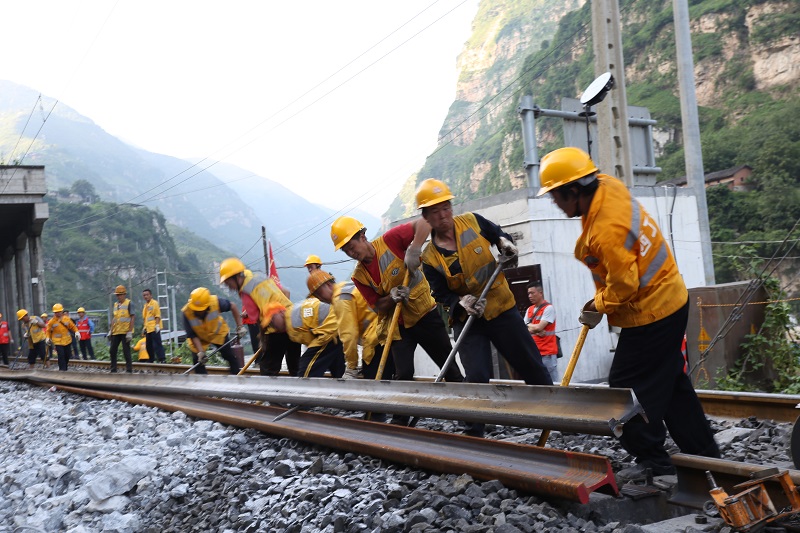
x: 121, y: 322
x: 263, y: 291
x: 36, y: 331
x: 547, y: 343
x: 210, y: 329
x: 151, y: 315
x: 61, y: 331
x: 84, y: 328
x: 393, y: 270
x: 357, y: 323
x: 312, y: 322
x: 633, y: 269
x: 474, y: 254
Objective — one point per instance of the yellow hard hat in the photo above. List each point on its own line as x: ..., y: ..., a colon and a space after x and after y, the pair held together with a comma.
x: 229, y: 268
x: 81, y: 310
x: 200, y: 299
x: 317, y: 279
x: 343, y: 229
x: 120, y: 290
x: 58, y: 308
x: 564, y: 166
x: 44, y: 315
x: 431, y: 192
x: 21, y: 313
x: 312, y: 260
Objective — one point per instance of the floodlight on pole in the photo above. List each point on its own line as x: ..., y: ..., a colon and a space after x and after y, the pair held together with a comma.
x: 593, y: 95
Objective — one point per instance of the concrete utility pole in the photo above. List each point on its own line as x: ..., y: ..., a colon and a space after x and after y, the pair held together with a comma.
x: 693, y: 153
x: 613, y: 137
x: 527, y: 113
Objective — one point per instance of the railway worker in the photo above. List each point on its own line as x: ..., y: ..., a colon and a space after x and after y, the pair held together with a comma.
x: 85, y: 328
x: 458, y: 263
x: 540, y: 318
x: 312, y: 323
x: 151, y: 330
x: 141, y: 351
x: 357, y: 321
x: 72, y: 349
x: 121, y: 329
x: 639, y: 289
x: 379, y: 277
x: 48, y: 348
x: 205, y: 327
x: 250, y: 318
x: 5, y: 340
x: 60, y: 331
x: 313, y: 262
x: 257, y: 292
x: 35, y: 336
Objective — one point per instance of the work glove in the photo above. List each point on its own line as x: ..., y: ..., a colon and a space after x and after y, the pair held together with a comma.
x: 509, y: 253
x: 412, y: 258
x: 48, y: 342
x: 241, y: 331
x: 350, y: 373
x: 77, y: 337
x: 588, y: 317
x: 129, y: 336
x: 202, y: 357
x: 144, y: 331
x: 158, y: 328
x: 400, y: 294
x: 25, y: 335
x: 472, y: 305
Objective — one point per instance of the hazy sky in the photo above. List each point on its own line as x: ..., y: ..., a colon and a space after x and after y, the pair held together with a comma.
x: 331, y: 99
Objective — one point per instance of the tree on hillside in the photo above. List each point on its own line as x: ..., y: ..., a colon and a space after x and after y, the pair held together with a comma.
x: 85, y: 190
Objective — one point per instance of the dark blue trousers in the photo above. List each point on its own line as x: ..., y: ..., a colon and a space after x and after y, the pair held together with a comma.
x: 648, y: 359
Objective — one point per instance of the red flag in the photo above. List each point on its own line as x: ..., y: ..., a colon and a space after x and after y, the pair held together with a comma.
x: 273, y: 270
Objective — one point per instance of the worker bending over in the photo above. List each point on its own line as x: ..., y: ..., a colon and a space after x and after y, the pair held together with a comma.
x: 205, y: 326
x: 458, y: 263
x: 639, y: 289
x: 357, y: 323
x: 258, y: 292
x: 379, y: 277
x: 34, y: 334
x: 311, y: 323
x: 60, y: 332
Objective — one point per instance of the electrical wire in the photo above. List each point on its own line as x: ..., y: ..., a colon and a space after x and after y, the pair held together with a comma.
x: 278, y: 112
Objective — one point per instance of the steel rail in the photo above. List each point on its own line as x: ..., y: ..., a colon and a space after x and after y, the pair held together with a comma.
x: 777, y: 407
x: 692, y: 489
x: 567, y: 409
x: 544, y: 471
x: 160, y: 367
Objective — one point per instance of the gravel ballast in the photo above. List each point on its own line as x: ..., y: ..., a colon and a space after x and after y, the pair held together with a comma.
x: 77, y: 464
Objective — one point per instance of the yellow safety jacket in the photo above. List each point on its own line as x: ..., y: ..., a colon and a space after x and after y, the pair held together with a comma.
x: 60, y: 332
x: 634, y: 271
x: 141, y: 347
x: 151, y: 315
x: 393, y: 270
x: 36, y: 331
x: 357, y: 323
x: 121, y: 321
x: 312, y: 322
x: 211, y: 329
x: 264, y: 291
x: 477, y: 261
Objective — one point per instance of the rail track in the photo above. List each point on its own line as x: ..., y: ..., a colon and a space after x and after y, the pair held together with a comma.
x: 777, y: 407
x: 543, y: 471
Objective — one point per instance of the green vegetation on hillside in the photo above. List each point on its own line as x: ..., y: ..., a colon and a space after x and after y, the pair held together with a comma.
x: 124, y: 244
